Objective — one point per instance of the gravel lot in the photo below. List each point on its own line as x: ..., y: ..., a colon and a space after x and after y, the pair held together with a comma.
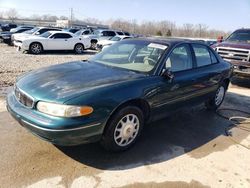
x: 14, y: 63
x: 189, y: 149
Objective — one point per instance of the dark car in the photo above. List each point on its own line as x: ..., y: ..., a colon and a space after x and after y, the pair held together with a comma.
x: 236, y: 49
x: 72, y: 30
x: 111, y: 96
x: 8, y: 27
x: 6, y: 36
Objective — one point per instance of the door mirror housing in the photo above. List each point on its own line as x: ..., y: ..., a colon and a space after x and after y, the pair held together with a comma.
x: 168, y: 74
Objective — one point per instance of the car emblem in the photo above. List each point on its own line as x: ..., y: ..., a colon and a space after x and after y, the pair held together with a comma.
x: 231, y: 54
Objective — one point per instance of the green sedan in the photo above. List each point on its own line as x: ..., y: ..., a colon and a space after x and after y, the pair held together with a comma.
x: 110, y: 97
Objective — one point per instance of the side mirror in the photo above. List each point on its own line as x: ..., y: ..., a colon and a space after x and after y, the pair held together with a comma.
x: 168, y: 74
x: 38, y: 33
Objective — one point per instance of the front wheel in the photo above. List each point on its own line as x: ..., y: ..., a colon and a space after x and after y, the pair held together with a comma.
x: 123, y: 129
x: 216, y: 101
x: 35, y: 48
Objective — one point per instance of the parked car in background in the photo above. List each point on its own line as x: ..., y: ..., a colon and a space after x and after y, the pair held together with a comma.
x: 110, y: 97
x: 35, y: 31
x: 83, y: 32
x: 236, y: 49
x: 6, y: 36
x: 102, y: 34
x: 53, y: 40
x: 106, y: 43
x: 8, y: 27
x: 72, y: 30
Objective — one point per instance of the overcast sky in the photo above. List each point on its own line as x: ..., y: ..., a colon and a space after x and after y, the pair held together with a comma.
x: 218, y: 14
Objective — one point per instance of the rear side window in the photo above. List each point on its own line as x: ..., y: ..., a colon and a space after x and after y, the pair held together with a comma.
x: 213, y: 58
x: 202, y: 55
x: 180, y: 59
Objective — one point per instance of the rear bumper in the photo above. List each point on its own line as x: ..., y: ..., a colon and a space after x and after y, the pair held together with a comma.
x: 43, y: 127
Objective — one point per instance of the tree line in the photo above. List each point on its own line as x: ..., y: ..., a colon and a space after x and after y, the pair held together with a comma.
x: 148, y: 28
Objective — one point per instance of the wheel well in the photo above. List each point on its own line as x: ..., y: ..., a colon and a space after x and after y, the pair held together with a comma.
x: 37, y: 43
x: 93, y: 40
x: 140, y: 103
x: 226, y: 81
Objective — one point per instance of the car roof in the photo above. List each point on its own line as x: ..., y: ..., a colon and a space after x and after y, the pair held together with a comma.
x: 66, y: 32
x: 243, y: 29
x: 164, y: 41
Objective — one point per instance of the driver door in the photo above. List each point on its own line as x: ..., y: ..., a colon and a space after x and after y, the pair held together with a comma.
x: 60, y: 41
x: 176, y: 92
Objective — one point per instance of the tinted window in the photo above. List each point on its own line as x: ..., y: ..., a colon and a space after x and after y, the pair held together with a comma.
x: 202, y: 55
x: 126, y: 33
x: 86, y: 32
x: 119, y: 33
x: 180, y: 59
x: 108, y: 33
x: 61, y: 36
x: 213, y: 58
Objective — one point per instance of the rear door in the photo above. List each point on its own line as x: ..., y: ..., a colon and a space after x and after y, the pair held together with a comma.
x: 207, y: 71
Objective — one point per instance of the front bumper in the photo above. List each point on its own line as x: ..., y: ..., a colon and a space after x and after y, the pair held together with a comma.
x: 241, y: 69
x: 59, y: 131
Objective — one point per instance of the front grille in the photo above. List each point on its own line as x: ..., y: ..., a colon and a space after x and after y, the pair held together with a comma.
x: 24, y: 98
x: 234, y: 54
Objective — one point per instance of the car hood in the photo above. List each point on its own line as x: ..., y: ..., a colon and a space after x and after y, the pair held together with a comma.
x: 63, y: 82
x: 20, y: 36
x: 234, y: 45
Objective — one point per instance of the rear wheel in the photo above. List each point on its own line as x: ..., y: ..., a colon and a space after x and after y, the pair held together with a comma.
x: 35, y: 48
x: 79, y: 48
x: 123, y: 129
x: 216, y: 101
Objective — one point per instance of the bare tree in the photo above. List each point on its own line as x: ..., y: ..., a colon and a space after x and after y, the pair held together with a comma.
x: 12, y: 14
x: 1, y: 14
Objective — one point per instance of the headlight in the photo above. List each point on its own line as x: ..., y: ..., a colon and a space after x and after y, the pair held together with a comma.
x: 61, y: 110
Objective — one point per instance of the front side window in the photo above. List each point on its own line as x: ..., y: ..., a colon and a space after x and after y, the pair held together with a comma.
x: 61, y: 36
x: 139, y: 56
x: 180, y: 59
x: 202, y: 55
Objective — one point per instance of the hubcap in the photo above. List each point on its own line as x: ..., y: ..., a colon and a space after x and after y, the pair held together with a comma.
x: 36, y: 48
x: 219, y: 95
x: 126, y: 130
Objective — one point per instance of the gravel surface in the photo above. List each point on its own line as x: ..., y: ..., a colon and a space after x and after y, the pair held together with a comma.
x: 14, y: 63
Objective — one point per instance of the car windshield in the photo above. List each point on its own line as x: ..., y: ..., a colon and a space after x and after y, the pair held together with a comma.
x: 78, y: 33
x: 46, y: 34
x: 115, y: 39
x: 135, y: 55
x: 239, y: 37
x: 32, y: 30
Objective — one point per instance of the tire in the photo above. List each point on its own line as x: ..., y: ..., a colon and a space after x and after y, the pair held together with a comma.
x: 79, y: 48
x: 123, y: 129
x: 35, y: 48
x: 215, y: 102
